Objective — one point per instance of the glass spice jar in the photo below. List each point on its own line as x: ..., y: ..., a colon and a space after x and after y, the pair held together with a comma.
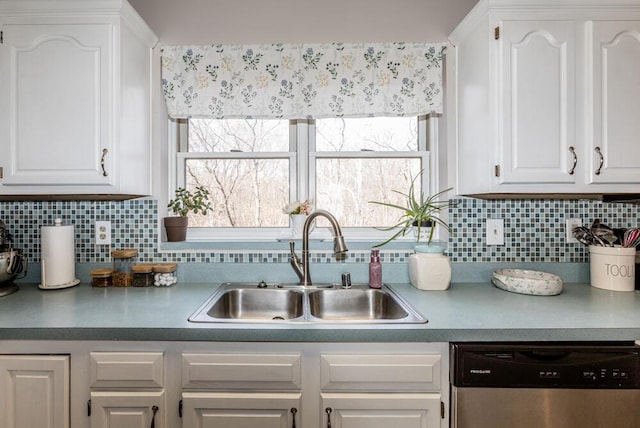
x: 102, y: 277
x: 142, y: 275
x: 123, y: 261
x: 165, y: 275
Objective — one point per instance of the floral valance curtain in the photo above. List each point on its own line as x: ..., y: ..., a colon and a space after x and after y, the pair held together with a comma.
x: 296, y: 81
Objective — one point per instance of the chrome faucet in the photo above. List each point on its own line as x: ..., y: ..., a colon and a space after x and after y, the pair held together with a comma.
x: 301, y: 266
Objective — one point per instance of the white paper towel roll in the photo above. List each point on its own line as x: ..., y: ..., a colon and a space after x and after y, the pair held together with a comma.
x: 58, y: 256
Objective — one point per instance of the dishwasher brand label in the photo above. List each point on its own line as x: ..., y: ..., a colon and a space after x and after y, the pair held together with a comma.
x: 480, y: 371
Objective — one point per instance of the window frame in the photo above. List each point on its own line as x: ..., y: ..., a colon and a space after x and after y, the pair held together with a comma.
x: 302, y: 156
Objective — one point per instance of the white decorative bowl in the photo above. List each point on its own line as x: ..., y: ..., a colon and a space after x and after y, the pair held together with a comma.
x: 527, y: 282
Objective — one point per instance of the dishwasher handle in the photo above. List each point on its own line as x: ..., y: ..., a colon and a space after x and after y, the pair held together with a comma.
x: 545, y: 356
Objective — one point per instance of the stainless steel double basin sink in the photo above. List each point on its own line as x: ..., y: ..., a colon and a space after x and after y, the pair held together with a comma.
x: 296, y: 304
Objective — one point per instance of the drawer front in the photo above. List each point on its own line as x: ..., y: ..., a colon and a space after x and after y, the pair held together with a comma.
x: 241, y: 371
x: 404, y: 372
x: 127, y: 370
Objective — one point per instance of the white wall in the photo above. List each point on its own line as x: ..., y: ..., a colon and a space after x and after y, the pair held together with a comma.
x: 303, y: 21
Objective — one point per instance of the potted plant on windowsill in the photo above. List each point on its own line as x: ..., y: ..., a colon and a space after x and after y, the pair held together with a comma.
x: 429, y: 269
x: 298, y: 212
x: 420, y: 214
x: 196, y: 202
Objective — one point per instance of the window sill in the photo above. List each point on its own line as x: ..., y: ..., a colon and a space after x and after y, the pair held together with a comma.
x: 278, y: 245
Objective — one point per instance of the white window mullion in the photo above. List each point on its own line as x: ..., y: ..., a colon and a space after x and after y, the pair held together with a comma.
x: 302, y: 142
x: 311, y: 159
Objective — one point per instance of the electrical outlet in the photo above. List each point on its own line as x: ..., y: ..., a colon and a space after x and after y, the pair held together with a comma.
x: 495, y: 231
x: 571, y: 223
x: 103, y: 232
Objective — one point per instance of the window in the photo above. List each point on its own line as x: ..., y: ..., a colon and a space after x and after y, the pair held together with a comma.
x: 254, y: 167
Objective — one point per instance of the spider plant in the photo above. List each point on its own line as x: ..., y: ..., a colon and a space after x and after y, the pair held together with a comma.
x: 419, y: 212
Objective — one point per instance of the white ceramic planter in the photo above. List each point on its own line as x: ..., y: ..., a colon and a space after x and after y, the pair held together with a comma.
x: 429, y: 270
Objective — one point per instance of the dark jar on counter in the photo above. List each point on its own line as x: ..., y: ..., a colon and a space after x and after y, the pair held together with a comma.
x: 102, y: 277
x: 123, y: 261
x: 142, y: 275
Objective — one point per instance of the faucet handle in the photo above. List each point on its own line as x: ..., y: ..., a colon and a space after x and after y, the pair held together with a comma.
x: 346, y: 280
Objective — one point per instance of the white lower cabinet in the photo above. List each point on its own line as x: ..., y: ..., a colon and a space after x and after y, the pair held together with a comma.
x: 34, y: 391
x: 126, y: 390
x: 137, y: 384
x: 124, y: 409
x: 402, y: 390
x: 395, y: 410
x: 240, y: 410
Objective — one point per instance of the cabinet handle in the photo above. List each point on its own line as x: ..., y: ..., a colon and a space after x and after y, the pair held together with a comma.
x: 104, y: 154
x: 599, y: 152
x: 293, y: 417
x: 154, y: 409
x: 575, y: 160
x: 328, y: 410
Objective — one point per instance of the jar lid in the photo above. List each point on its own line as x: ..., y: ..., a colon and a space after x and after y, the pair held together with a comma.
x: 142, y: 268
x: 125, y: 253
x: 165, y: 267
x: 101, y: 272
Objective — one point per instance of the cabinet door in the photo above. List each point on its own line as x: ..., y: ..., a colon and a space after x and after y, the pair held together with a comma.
x: 381, y: 410
x: 614, y: 120
x: 535, y: 102
x: 34, y: 391
x: 55, y: 105
x: 119, y: 409
x: 240, y: 410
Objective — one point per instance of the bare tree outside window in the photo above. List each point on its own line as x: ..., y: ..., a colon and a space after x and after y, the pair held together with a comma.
x: 246, y: 191
x: 366, y: 171
x: 246, y: 166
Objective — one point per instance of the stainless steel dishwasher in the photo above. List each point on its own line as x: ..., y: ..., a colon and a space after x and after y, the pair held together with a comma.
x: 545, y: 385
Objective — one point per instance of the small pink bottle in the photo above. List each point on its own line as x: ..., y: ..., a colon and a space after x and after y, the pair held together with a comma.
x: 375, y: 270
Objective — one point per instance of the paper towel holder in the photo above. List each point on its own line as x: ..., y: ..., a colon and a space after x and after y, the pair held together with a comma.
x: 57, y: 243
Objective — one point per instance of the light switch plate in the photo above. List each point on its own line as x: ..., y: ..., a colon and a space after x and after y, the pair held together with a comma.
x: 570, y: 224
x: 495, y: 231
x: 103, y: 232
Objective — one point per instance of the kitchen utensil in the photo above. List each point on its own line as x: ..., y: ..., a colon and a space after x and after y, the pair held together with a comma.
x: 631, y: 238
x: 3, y: 233
x: 584, y: 235
x: 603, y: 234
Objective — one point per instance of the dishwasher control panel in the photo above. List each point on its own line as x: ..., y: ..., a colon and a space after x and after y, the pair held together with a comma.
x: 546, y: 365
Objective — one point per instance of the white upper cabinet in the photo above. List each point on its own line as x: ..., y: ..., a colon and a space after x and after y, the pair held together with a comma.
x: 545, y: 97
x: 74, y: 98
x: 613, y: 125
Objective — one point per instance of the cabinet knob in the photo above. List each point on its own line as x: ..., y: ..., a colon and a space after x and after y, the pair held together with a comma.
x: 154, y: 409
x: 104, y: 154
x: 575, y: 160
x: 328, y: 410
x: 599, y: 152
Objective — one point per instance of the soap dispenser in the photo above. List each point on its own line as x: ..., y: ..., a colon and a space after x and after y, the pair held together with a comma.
x: 375, y: 270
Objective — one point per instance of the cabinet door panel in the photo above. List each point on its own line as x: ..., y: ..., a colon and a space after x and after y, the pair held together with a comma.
x: 119, y: 409
x: 34, y: 391
x: 536, y: 116
x: 381, y: 410
x: 56, y: 101
x: 381, y: 372
x: 615, y: 49
x: 240, y: 410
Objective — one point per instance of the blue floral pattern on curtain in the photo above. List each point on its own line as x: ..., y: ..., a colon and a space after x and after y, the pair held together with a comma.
x: 303, y: 80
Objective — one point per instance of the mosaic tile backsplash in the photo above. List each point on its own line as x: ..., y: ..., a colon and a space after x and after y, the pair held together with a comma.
x: 534, y: 231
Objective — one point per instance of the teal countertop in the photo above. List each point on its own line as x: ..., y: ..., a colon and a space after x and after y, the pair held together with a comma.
x: 465, y: 312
